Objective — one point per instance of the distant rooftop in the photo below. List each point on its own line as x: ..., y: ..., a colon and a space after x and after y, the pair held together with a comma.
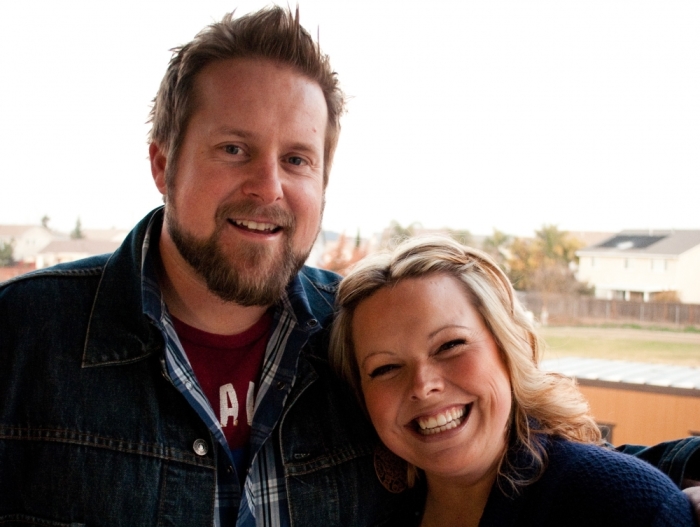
x: 81, y: 246
x: 628, y: 241
x: 642, y: 374
x: 660, y: 242
x: 16, y: 230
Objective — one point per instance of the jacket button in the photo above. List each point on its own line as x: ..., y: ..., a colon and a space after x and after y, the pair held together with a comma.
x: 312, y: 323
x: 200, y: 447
x: 280, y: 385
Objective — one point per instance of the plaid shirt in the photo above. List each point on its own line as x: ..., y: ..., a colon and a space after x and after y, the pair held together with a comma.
x: 264, y: 500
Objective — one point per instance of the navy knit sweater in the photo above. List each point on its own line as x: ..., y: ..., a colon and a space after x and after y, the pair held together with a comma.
x: 583, y: 486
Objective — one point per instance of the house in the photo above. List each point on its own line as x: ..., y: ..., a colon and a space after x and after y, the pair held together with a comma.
x: 26, y: 240
x: 644, y: 265
x: 61, y: 251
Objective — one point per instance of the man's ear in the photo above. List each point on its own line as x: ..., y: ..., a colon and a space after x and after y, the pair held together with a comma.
x: 159, y: 160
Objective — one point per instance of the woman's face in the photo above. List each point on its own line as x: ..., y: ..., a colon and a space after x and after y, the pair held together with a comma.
x: 433, y: 380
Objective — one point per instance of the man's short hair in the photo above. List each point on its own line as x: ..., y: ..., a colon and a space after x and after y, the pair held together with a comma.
x: 272, y: 33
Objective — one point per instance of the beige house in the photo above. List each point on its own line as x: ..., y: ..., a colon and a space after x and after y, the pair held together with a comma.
x: 61, y: 251
x: 644, y: 265
x: 26, y: 240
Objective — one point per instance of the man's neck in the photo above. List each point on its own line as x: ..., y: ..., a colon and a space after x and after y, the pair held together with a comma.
x: 189, y: 299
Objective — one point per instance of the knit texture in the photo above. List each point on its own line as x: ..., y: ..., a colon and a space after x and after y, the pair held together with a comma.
x: 583, y: 486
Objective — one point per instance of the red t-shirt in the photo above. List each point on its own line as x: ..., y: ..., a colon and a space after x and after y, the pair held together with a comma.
x: 228, y: 370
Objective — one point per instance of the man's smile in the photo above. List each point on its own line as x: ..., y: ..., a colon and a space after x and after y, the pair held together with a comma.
x: 254, y: 226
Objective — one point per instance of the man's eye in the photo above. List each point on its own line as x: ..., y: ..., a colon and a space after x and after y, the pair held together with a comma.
x: 382, y: 370
x: 232, y: 149
x: 295, y: 160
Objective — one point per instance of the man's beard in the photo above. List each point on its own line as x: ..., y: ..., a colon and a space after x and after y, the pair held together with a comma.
x: 249, y: 274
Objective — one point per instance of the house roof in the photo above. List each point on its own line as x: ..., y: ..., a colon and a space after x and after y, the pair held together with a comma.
x: 81, y: 246
x: 651, y: 242
x: 15, y: 230
x: 116, y: 235
x: 643, y: 374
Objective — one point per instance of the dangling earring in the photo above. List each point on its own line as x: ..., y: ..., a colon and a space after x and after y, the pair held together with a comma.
x: 391, y: 470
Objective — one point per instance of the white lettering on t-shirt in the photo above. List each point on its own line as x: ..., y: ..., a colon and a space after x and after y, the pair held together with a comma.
x: 228, y: 394
x: 228, y: 404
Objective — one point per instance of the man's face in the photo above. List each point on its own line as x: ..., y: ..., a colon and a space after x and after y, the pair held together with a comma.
x: 245, y: 199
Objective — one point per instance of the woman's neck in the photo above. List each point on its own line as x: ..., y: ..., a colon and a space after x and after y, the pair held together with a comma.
x: 450, y: 502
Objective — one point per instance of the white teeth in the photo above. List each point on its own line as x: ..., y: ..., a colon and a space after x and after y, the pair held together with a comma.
x: 255, y: 226
x: 444, y: 421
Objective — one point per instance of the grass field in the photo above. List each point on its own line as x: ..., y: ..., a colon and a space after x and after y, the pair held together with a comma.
x: 640, y: 345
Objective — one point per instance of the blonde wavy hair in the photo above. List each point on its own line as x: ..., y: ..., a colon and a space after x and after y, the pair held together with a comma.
x: 543, y: 403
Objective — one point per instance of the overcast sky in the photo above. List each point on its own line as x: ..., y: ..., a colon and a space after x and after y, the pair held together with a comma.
x: 462, y: 114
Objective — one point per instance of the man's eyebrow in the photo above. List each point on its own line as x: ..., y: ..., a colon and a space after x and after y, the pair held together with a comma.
x: 306, y: 148
x: 224, y: 130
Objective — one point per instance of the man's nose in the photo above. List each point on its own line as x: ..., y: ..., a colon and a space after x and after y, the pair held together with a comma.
x: 426, y: 381
x: 263, y: 182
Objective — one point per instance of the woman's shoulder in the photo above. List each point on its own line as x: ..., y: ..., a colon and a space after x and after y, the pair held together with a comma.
x: 594, y: 462
x: 617, y: 483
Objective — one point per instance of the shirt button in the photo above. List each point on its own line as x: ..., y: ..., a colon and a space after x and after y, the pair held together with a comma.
x: 188, y: 385
x: 200, y: 447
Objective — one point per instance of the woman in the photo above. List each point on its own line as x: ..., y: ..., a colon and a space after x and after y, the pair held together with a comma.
x: 440, y: 353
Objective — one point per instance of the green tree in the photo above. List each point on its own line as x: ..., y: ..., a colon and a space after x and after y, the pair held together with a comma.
x: 498, y: 247
x: 395, y: 233
x: 544, y: 263
x: 462, y: 236
x: 77, y: 232
x: 6, y: 249
x: 557, y: 245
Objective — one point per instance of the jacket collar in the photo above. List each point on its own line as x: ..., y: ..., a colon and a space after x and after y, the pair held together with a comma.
x: 118, y: 332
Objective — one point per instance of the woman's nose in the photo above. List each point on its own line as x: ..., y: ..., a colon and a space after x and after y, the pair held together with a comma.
x: 426, y: 381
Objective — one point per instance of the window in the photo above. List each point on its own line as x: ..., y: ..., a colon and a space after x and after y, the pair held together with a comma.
x: 659, y: 265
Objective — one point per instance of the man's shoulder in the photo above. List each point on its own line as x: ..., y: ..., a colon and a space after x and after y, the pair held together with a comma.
x: 320, y: 287
x: 325, y: 280
x: 37, y: 280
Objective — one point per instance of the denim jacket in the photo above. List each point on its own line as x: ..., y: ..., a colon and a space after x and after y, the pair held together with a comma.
x: 93, y: 433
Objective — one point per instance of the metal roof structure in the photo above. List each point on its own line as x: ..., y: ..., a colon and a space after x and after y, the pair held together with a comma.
x: 679, y: 379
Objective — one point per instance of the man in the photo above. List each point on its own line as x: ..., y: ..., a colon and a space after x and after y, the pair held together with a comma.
x: 183, y: 380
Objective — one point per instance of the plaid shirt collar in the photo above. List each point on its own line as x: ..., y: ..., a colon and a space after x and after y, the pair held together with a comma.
x: 263, y: 501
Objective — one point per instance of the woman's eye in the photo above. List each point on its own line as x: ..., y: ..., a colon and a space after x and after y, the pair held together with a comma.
x: 382, y: 370
x: 451, y: 344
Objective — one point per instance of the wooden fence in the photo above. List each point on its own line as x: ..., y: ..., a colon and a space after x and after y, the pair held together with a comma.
x: 564, y: 308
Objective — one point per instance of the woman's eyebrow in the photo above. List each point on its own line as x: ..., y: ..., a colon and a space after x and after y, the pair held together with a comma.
x: 374, y: 354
